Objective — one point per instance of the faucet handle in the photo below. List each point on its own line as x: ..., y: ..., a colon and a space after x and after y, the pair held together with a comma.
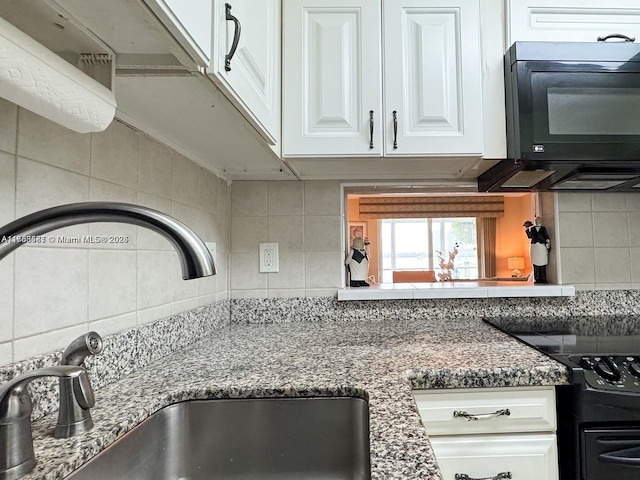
x: 83, y: 391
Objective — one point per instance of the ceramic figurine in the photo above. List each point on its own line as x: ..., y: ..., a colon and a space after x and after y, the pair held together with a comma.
x: 539, y: 249
x: 358, y: 262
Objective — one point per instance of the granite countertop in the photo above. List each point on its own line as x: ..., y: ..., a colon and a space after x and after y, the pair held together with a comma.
x: 379, y: 360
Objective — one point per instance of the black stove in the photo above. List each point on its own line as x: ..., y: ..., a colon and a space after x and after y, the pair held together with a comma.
x: 599, y: 413
x: 609, y: 362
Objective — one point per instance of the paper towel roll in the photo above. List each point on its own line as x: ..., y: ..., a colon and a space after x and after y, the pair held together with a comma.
x: 34, y: 77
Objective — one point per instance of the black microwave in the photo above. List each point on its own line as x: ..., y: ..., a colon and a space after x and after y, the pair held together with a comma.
x: 573, y: 101
x: 573, y: 112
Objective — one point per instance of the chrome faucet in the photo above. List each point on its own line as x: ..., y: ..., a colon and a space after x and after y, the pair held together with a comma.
x: 72, y: 417
x: 16, y: 454
x: 194, y: 255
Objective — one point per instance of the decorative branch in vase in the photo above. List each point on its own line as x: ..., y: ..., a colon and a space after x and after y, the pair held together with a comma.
x: 447, y: 267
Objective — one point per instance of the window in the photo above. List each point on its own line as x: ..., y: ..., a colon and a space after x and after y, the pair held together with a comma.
x: 413, y: 244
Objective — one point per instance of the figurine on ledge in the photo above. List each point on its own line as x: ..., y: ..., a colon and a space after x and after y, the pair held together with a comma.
x: 358, y: 262
x: 539, y: 249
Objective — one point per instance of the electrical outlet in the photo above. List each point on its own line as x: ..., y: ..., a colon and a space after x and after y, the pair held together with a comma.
x: 269, y: 262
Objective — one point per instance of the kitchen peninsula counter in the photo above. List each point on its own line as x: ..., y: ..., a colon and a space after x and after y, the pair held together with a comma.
x: 380, y: 360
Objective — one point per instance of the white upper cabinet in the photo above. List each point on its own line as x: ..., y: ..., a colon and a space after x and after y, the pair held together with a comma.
x: 432, y: 77
x: 333, y: 55
x: 251, y: 76
x: 189, y: 21
x: 332, y: 102
x: 571, y: 20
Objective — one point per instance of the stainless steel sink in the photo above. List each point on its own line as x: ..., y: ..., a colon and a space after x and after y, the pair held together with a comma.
x: 318, y: 438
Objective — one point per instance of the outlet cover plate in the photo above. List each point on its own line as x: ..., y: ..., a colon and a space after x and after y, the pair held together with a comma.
x: 269, y: 258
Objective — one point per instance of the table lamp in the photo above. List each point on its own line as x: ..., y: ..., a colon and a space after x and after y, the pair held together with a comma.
x: 515, y: 264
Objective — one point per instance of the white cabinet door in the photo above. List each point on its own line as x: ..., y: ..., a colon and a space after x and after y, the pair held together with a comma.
x: 252, y: 78
x: 432, y: 77
x: 571, y: 20
x: 331, y: 78
x: 190, y: 23
x: 525, y: 457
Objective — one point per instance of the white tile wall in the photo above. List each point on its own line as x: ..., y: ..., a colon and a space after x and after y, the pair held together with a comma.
x: 112, y: 283
x: 304, y: 218
x: 115, y: 155
x: 50, y: 289
x: 42, y: 140
x: 7, y: 187
x: 156, y: 168
x: 8, y: 125
x: 51, y: 293
x: 6, y: 299
x: 186, y: 180
x: 599, y: 235
x: 287, y: 231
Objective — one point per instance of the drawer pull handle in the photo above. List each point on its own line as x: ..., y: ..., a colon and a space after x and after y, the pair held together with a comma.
x: 481, y: 416
x: 500, y: 476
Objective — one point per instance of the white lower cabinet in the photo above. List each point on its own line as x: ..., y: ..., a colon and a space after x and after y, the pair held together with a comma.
x: 524, y: 457
x: 492, y: 433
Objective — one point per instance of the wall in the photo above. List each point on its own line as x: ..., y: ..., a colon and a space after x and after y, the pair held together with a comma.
x: 599, y: 239
x: 305, y: 219
x: 511, y: 239
x: 49, y: 294
x: 595, y: 238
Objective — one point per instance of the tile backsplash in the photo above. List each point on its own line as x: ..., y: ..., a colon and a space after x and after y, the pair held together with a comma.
x: 599, y: 240
x: 49, y: 294
x: 305, y: 219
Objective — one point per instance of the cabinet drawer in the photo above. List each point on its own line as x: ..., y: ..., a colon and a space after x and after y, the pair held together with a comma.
x: 571, y: 20
x: 527, y: 457
x: 529, y: 410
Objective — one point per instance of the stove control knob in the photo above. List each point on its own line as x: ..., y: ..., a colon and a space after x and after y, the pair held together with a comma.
x: 607, y: 369
x: 587, y: 363
x: 634, y: 368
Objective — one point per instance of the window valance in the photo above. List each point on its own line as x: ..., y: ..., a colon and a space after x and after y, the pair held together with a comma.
x: 431, y: 207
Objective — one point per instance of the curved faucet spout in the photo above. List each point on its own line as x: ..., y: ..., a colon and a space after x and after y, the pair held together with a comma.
x: 194, y: 256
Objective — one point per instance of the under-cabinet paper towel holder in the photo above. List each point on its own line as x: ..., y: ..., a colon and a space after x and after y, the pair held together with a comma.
x: 34, y: 77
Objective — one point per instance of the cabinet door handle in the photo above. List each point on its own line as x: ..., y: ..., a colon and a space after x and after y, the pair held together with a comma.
x: 500, y: 476
x: 617, y: 35
x: 370, y: 129
x: 481, y: 416
x: 395, y: 129
x: 236, y: 37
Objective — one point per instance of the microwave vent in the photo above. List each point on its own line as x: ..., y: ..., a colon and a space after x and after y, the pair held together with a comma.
x: 527, y: 178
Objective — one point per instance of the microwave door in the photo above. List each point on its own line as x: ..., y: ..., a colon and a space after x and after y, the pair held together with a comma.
x: 578, y: 115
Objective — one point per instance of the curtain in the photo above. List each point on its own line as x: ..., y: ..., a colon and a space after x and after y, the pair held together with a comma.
x: 431, y: 207
x: 487, y: 240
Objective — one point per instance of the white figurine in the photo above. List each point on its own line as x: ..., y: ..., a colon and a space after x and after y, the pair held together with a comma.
x: 539, y: 249
x: 358, y: 262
